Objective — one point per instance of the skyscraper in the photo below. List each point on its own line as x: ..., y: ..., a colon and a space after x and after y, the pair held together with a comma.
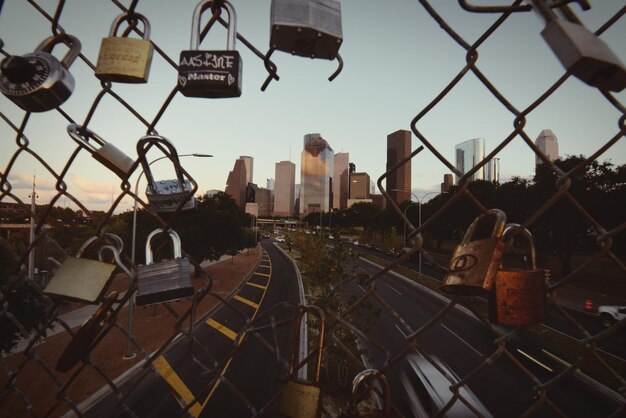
x: 284, y: 188
x: 468, y: 154
x: 399, y: 182
x: 493, y: 170
x: 360, y: 187
x: 447, y: 183
x: 249, y: 161
x: 340, y: 181
x: 547, y: 143
x: 317, y: 165
x: 236, y: 183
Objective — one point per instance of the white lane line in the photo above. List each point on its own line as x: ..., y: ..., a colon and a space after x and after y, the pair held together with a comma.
x: 393, y: 288
x: 465, y: 342
x: 400, y: 329
x: 535, y: 360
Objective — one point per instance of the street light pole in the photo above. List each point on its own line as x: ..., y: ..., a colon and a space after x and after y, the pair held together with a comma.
x: 131, y: 302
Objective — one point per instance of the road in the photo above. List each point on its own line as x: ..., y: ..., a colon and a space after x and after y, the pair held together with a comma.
x: 464, y: 344
x: 203, y: 374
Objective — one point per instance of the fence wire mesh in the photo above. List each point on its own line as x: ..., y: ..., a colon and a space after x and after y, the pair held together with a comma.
x: 270, y: 332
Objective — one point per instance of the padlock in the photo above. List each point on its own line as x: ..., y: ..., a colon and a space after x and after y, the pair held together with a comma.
x: 211, y: 74
x: 581, y: 52
x: 360, y: 378
x: 83, y: 279
x: 38, y: 81
x: 123, y: 59
x: 307, y: 28
x: 81, y: 343
x: 519, y: 294
x: 165, y: 195
x: 108, y: 154
x: 475, y: 261
x: 302, y: 398
x: 167, y: 280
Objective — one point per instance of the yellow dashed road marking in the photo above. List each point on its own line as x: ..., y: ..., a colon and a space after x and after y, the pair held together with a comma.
x: 222, y: 328
x: 246, y: 301
x: 260, y: 286
x: 261, y: 274
x: 165, y: 370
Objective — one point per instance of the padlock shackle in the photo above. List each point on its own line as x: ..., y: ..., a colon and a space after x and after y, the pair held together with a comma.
x: 197, y: 17
x: 142, y: 149
x: 90, y: 241
x: 126, y: 17
x: 360, y: 378
x: 74, y: 130
x: 72, y: 43
x: 175, y: 240
x: 511, y: 233
x: 489, y: 224
x: 315, y: 310
x: 117, y: 258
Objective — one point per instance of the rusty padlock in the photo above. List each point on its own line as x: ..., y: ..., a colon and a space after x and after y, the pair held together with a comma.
x: 581, y: 52
x: 83, y: 279
x: 385, y: 412
x: 475, y: 261
x: 519, y: 294
x: 108, y: 154
x: 123, y: 59
x: 211, y: 74
x: 302, y: 398
x: 307, y: 28
x: 167, y: 280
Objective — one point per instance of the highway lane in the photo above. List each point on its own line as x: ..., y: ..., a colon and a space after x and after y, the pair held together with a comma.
x: 202, y: 375
x: 464, y: 343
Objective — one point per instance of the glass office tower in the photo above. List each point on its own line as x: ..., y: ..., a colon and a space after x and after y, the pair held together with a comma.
x: 317, y: 168
x: 468, y: 154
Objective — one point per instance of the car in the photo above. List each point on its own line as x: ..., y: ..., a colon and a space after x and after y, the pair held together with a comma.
x: 426, y: 390
x: 279, y: 239
x: 610, y: 314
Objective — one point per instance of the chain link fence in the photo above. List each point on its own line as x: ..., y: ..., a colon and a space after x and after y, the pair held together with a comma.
x: 271, y: 330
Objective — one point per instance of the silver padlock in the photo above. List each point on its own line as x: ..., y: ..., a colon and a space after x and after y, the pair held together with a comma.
x: 123, y: 59
x: 108, y: 154
x: 167, y: 280
x: 581, y: 52
x: 211, y: 74
x: 307, y: 28
x: 165, y: 195
x: 38, y: 81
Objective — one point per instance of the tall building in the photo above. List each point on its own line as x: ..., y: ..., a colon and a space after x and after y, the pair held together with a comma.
x: 317, y: 165
x: 284, y: 188
x: 269, y: 184
x: 360, y: 186
x: 399, y: 182
x: 468, y: 154
x: 493, y: 170
x: 340, y: 181
x: 249, y: 161
x: 236, y: 183
x: 547, y: 143
x: 264, y: 200
x: 447, y: 183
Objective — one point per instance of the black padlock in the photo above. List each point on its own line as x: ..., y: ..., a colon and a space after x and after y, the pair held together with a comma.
x: 210, y: 74
x: 38, y: 81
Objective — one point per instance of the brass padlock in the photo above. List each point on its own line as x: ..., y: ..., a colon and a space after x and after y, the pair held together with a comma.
x: 81, y: 343
x: 385, y: 412
x: 581, y: 52
x: 519, y: 294
x: 211, y: 74
x: 165, y: 195
x: 38, y: 81
x: 83, y: 279
x: 167, y: 280
x: 475, y: 261
x: 108, y: 154
x: 307, y: 28
x: 302, y: 398
x: 123, y: 59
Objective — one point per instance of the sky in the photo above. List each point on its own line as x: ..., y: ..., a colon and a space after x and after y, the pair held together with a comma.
x: 396, y: 61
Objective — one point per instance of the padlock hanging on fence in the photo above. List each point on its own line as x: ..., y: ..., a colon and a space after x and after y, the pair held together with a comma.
x: 385, y: 412
x: 82, y: 279
x: 475, y: 261
x: 518, y: 296
x: 38, y: 82
x: 581, y: 52
x: 108, y: 154
x: 211, y: 74
x: 302, y: 398
x: 123, y: 59
x: 167, y: 280
x: 165, y: 195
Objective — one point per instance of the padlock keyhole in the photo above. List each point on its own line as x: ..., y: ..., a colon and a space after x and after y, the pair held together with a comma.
x: 17, y: 69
